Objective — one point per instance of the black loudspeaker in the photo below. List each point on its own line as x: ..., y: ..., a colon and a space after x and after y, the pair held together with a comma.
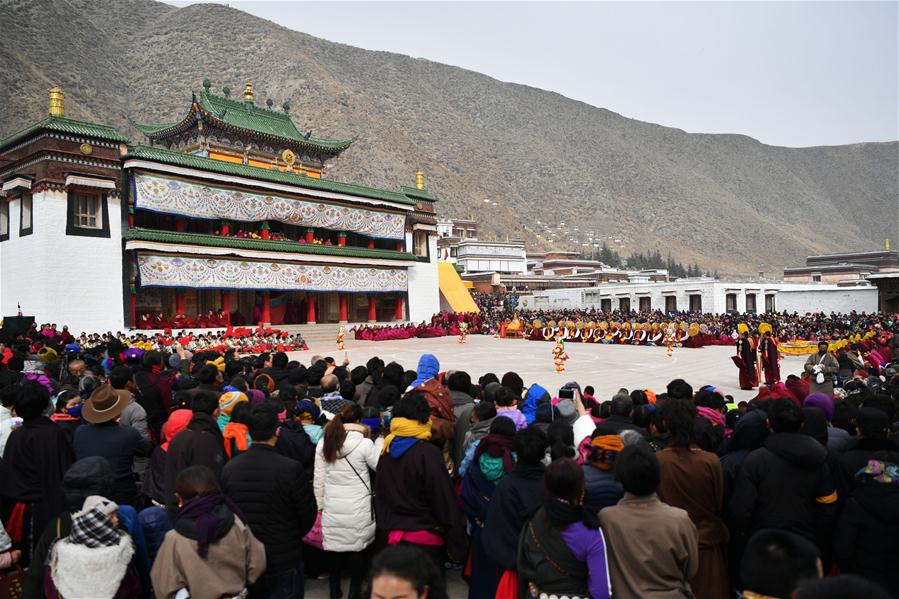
x: 13, y: 326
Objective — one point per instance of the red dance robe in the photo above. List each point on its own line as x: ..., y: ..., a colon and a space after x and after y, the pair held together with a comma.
x: 749, y: 378
x: 770, y: 364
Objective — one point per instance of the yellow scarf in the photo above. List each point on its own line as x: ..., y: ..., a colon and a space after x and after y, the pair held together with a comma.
x: 404, y: 427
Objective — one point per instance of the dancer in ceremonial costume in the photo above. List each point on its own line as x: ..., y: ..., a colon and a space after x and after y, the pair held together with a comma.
x: 670, y: 339
x: 770, y: 355
x: 559, y: 355
x: 745, y: 359
x: 341, y: 333
x: 463, y: 331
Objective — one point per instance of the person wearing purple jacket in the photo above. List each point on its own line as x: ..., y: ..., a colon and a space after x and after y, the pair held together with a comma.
x: 507, y: 405
x: 562, y: 551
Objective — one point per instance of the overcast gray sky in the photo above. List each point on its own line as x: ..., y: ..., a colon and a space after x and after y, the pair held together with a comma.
x: 786, y: 73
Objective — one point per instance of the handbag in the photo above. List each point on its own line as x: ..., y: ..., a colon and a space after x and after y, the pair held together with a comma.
x: 315, y: 538
x: 371, y: 493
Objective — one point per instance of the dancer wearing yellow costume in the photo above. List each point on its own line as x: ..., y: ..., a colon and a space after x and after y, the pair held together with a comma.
x: 559, y: 355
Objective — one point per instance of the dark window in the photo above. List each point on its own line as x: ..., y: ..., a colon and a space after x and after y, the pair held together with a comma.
x: 696, y: 303
x: 731, y: 302
x: 624, y: 304
x: 605, y: 304
x: 750, y: 303
x: 670, y: 303
x: 88, y: 214
x: 816, y: 278
x: 4, y: 220
x: 645, y: 304
x: 770, y: 306
x: 26, y: 216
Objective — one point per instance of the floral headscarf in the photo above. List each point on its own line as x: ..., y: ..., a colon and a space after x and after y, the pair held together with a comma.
x: 880, y: 471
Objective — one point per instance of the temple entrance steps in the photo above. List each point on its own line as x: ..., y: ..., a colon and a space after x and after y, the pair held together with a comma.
x: 320, y: 335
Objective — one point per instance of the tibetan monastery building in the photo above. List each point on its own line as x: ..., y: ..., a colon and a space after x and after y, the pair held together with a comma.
x: 222, y: 215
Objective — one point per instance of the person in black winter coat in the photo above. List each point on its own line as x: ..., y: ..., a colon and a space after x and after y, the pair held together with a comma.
x: 275, y: 495
x: 36, y: 457
x: 201, y: 443
x: 601, y: 489
x: 517, y: 498
x: 293, y: 440
x: 873, y: 430
x: 414, y: 491
x: 749, y: 434
x: 787, y: 483
x: 866, y: 541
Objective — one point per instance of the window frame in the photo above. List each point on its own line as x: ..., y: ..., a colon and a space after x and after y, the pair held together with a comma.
x: 4, y: 209
x: 427, y: 246
x: 103, y: 213
x: 23, y: 230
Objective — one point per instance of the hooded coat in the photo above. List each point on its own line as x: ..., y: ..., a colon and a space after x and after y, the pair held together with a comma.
x: 443, y: 419
x: 535, y: 396
x: 785, y: 484
x: 749, y: 434
x: 343, y: 492
x: 866, y: 542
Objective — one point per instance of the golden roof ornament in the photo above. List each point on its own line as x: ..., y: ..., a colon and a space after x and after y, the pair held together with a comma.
x: 288, y: 157
x: 419, y: 180
x: 57, y: 102
x: 248, y: 92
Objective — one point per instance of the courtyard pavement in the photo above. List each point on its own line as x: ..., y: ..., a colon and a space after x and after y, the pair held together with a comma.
x: 606, y: 367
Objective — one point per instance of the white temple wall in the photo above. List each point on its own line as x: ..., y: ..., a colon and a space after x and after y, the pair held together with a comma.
x: 424, y: 287
x: 63, y: 278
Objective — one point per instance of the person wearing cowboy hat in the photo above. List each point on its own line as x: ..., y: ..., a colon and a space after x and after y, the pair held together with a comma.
x: 103, y: 436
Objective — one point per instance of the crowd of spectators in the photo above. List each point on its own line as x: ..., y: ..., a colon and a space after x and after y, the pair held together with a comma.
x: 226, y: 476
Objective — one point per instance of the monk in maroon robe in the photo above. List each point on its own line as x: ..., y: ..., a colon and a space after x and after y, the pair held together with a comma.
x: 746, y: 352
x: 770, y: 355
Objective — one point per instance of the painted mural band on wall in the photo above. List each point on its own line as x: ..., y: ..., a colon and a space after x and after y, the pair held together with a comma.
x: 212, y: 273
x: 171, y: 195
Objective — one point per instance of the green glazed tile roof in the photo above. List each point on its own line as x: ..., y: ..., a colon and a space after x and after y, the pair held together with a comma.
x: 63, y: 124
x: 414, y: 192
x: 253, y: 172
x: 267, y: 245
x: 261, y: 120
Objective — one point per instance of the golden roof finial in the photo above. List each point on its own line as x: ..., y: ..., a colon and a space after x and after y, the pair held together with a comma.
x: 57, y: 102
x: 887, y: 244
x: 419, y: 180
x: 248, y: 92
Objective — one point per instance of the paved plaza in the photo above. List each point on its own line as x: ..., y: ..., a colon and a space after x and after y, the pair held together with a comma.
x: 606, y: 367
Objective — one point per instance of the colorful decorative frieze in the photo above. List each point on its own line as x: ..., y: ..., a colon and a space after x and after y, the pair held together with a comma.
x: 197, y: 200
x: 215, y: 273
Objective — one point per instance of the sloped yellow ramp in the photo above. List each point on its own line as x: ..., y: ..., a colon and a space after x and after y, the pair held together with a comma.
x: 452, y: 289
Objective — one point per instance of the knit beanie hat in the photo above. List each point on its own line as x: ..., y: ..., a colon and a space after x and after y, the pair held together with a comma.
x: 603, y: 451
x: 822, y: 402
x: 228, y: 400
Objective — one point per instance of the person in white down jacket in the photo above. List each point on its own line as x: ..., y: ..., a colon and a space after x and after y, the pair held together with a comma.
x: 344, y: 459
